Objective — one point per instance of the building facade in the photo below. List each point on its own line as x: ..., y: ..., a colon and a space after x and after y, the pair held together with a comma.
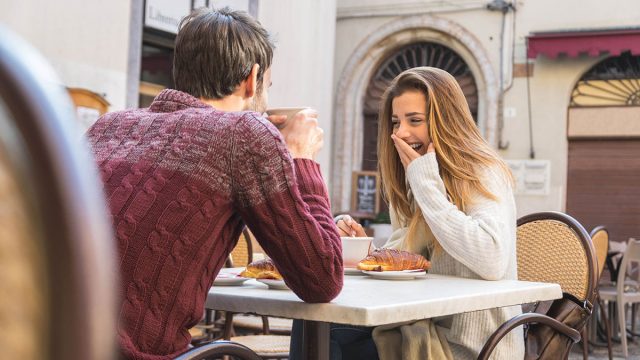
x: 552, y: 84
x: 549, y: 110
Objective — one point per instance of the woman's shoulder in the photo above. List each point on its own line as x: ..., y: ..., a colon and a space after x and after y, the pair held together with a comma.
x: 498, y: 181
x: 495, y: 175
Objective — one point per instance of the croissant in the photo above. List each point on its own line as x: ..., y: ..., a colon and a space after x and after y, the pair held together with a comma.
x: 393, y: 260
x: 262, y: 269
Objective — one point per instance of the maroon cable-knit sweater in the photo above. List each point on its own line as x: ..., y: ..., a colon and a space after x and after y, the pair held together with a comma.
x: 181, y: 178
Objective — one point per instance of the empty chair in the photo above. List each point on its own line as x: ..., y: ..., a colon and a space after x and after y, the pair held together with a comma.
x: 623, y: 294
x: 600, y: 239
x: 268, y: 342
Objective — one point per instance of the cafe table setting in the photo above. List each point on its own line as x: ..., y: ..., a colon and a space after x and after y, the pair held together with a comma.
x: 368, y: 300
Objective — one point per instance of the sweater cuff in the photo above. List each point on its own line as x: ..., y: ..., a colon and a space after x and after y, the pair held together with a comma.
x: 309, y: 177
x: 424, y: 171
x: 425, y: 165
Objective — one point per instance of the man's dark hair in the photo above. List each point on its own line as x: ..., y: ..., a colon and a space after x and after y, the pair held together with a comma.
x: 215, y: 51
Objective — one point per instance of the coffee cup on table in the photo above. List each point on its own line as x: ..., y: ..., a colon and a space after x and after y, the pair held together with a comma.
x: 354, y: 249
x: 289, y: 112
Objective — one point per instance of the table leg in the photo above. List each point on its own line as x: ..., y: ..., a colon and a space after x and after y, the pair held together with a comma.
x: 315, y: 340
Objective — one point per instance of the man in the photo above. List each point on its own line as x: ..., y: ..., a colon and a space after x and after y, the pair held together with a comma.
x: 183, y: 176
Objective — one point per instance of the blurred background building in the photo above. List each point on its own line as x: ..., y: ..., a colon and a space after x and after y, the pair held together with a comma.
x: 554, y: 85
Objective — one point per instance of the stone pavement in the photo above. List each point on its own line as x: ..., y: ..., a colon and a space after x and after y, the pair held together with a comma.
x: 600, y: 353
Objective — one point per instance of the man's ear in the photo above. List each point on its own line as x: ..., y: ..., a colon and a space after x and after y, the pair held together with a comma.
x: 252, y: 82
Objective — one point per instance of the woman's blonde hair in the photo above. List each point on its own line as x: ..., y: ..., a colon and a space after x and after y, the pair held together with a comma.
x: 461, y: 151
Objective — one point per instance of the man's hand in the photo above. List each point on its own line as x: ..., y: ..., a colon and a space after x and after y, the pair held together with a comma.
x: 278, y: 120
x: 303, y: 136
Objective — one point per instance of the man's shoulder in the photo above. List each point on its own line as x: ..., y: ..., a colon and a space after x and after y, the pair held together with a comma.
x: 254, y: 126
x: 256, y: 135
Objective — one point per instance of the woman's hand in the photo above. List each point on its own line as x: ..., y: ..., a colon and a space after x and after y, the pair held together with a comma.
x: 349, y: 227
x: 406, y: 152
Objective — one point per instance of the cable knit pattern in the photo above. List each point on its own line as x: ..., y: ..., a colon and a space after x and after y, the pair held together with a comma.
x: 181, y: 178
x: 478, y: 244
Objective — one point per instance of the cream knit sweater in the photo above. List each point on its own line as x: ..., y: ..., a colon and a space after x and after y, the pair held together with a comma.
x: 478, y: 244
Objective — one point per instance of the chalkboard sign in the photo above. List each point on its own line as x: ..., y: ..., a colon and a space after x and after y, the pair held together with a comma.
x: 364, y: 192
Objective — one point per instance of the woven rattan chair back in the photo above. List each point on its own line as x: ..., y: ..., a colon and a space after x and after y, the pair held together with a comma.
x: 600, y: 239
x: 554, y: 247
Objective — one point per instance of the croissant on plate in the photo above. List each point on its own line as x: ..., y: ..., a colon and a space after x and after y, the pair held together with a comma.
x: 393, y: 260
x: 262, y: 269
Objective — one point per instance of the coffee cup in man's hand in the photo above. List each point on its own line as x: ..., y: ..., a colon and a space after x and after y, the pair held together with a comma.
x: 280, y: 116
x: 301, y: 133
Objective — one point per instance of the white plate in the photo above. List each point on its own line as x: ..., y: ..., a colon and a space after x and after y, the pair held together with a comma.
x: 352, y: 271
x: 274, y: 284
x: 395, y: 275
x: 228, y: 279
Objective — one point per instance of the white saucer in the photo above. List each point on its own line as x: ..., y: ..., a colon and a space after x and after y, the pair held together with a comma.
x: 352, y: 271
x: 274, y: 284
x: 395, y: 275
x: 227, y: 279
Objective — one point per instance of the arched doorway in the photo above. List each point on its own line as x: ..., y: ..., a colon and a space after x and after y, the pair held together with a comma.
x: 406, y: 57
x: 604, y: 147
x: 353, y: 84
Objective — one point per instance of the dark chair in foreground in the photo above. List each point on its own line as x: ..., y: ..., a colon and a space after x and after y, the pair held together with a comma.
x: 552, y: 247
x: 218, y: 350
x: 57, y: 277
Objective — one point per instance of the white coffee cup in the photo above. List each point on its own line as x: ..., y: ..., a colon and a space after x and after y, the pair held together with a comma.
x: 290, y: 112
x: 354, y: 249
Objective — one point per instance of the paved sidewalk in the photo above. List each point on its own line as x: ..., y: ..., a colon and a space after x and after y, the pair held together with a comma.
x: 601, y: 353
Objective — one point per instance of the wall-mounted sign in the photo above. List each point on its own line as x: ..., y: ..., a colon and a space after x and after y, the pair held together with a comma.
x: 532, y: 176
x: 165, y: 15
x: 364, y: 192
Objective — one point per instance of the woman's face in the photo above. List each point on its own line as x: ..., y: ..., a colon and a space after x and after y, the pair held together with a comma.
x: 409, y: 120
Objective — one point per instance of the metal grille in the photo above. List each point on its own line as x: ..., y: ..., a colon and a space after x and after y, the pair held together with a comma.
x: 421, y: 54
x: 612, y: 82
x: 413, y: 55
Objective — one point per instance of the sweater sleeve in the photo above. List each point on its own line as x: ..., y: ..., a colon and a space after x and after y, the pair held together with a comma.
x: 285, y: 204
x: 478, y: 238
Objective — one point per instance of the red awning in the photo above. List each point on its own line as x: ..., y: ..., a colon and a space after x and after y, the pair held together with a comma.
x: 590, y: 42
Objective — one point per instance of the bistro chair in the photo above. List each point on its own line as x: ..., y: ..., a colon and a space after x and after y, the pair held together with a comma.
x: 242, y: 255
x: 623, y: 294
x: 269, y: 337
x: 57, y: 261
x: 552, y: 247
x: 600, y: 238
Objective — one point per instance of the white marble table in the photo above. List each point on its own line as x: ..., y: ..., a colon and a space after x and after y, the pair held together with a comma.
x: 370, y: 302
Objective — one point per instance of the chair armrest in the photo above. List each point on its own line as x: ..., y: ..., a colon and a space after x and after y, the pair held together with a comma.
x: 522, y: 319
x: 218, y: 349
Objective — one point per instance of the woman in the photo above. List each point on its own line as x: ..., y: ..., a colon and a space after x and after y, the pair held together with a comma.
x: 451, y: 200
